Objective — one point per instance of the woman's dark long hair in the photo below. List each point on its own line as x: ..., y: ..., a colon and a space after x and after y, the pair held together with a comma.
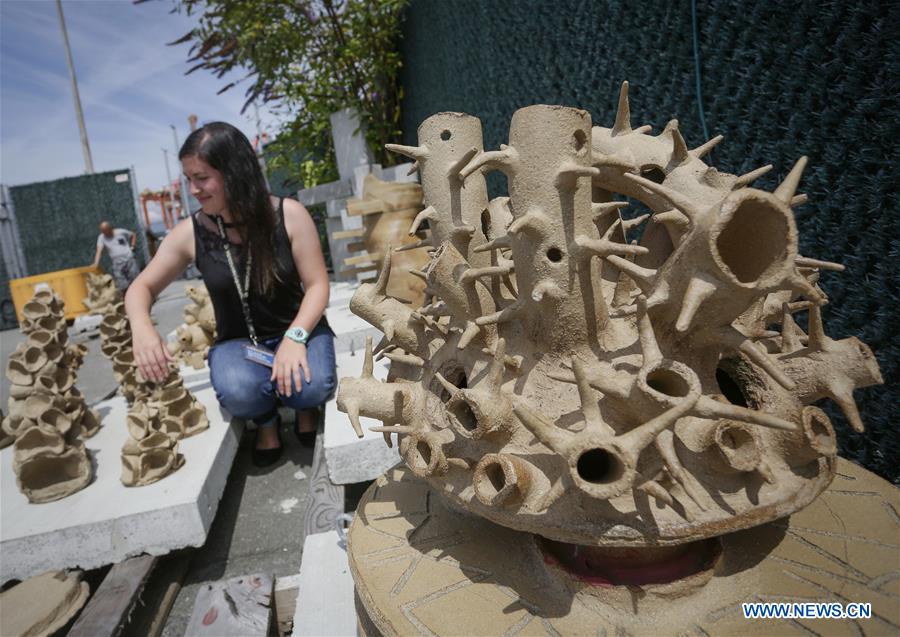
x: 228, y: 150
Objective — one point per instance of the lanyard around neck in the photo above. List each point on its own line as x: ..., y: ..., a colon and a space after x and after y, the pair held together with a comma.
x: 243, y: 291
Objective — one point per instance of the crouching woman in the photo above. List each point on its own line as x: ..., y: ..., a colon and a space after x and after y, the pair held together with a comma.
x: 262, y: 262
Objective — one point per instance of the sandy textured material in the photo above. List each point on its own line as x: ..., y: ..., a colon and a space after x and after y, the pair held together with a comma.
x: 161, y: 413
x: 423, y: 569
x: 41, y: 605
x: 48, y: 417
x: 566, y: 381
x: 108, y: 522
x: 350, y: 459
x: 393, y: 215
x: 102, y: 293
x: 198, y: 332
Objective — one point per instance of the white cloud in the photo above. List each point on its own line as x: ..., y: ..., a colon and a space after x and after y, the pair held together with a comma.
x: 132, y: 88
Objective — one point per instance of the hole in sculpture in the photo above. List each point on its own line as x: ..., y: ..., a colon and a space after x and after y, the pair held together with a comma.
x: 599, y: 466
x: 445, y: 135
x: 667, y: 382
x: 43, y: 472
x: 729, y: 387
x: 579, y: 138
x: 496, y: 476
x: 753, y: 240
x: 486, y: 224
x: 819, y: 433
x: 653, y: 173
x: 424, y: 450
x: 464, y: 415
x: 735, y: 437
x: 554, y: 255
x: 456, y: 375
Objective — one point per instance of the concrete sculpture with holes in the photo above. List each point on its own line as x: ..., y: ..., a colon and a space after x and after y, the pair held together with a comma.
x: 196, y: 335
x: 160, y: 414
x: 631, y: 401
x: 48, y: 418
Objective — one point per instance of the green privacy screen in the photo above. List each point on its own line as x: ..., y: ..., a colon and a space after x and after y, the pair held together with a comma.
x: 779, y: 80
x: 58, y: 220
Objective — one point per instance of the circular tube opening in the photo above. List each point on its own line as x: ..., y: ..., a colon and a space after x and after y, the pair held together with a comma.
x: 667, y: 382
x: 819, y: 432
x: 496, y: 476
x: 423, y: 449
x: 738, y: 446
x: 753, y: 240
x: 454, y: 373
x: 599, y: 466
x: 464, y: 415
x: 554, y: 255
x: 730, y: 387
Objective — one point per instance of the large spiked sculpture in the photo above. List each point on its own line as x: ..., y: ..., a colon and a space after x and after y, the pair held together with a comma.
x: 595, y: 391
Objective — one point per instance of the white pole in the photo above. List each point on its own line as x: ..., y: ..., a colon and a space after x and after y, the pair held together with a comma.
x: 85, y: 146
x: 169, y: 184
x: 186, y: 209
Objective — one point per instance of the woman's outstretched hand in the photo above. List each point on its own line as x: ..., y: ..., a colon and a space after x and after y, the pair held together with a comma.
x: 150, y: 354
x: 289, y: 360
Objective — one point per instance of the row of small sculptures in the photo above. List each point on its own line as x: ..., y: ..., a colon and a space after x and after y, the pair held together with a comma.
x: 160, y: 414
x: 48, y: 419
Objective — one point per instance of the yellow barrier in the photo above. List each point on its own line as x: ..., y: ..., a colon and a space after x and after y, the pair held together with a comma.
x: 70, y: 285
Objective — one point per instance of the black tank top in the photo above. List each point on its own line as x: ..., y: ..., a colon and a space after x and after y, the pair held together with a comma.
x: 271, y: 315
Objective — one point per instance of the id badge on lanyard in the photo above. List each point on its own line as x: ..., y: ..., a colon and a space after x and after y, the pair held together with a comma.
x: 259, y: 354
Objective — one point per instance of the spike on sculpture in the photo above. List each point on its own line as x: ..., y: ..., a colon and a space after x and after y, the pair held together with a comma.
x: 559, y: 373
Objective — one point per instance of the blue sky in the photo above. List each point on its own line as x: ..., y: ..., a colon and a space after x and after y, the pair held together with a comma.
x: 132, y: 88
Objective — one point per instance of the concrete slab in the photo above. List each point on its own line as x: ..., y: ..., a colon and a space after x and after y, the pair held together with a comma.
x: 350, y: 331
x: 107, y: 522
x: 351, y: 459
x: 325, y: 595
x: 258, y: 527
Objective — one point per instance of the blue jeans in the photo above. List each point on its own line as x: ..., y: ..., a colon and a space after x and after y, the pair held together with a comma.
x: 245, y: 391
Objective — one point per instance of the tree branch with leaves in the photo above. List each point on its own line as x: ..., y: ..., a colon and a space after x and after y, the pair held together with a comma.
x: 306, y: 59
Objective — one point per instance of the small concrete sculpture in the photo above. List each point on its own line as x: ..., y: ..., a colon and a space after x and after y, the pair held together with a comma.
x: 161, y: 415
x: 48, y: 417
x: 198, y: 333
x: 392, y: 216
x: 149, y: 459
x: 102, y: 292
x: 43, y: 604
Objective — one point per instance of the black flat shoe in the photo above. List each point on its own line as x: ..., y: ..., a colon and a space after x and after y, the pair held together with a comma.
x: 267, y: 457
x: 308, y: 438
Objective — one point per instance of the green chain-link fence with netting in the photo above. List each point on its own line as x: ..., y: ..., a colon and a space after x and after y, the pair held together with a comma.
x: 58, y: 220
x: 779, y: 80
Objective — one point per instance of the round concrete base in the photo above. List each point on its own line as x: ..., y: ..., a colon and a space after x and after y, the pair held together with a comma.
x: 422, y: 568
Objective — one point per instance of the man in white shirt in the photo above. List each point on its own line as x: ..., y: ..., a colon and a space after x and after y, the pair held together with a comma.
x: 119, y: 244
